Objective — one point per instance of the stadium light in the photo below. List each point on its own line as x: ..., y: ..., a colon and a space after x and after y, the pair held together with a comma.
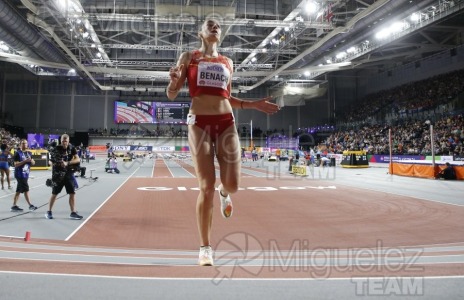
x: 311, y: 7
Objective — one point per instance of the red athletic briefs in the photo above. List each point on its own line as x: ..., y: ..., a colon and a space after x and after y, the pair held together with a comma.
x: 214, y: 125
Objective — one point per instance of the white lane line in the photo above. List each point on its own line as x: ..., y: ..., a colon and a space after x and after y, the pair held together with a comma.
x: 98, y: 208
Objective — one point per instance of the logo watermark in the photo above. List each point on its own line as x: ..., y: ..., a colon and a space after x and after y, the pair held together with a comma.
x: 245, y: 253
x: 389, y: 286
x: 238, y: 251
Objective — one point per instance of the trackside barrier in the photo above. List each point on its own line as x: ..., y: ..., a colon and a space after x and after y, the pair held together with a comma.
x: 423, y: 170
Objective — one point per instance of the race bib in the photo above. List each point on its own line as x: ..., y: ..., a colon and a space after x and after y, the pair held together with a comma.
x: 212, y: 74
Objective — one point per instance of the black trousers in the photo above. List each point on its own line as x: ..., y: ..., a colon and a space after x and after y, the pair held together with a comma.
x: 82, y: 170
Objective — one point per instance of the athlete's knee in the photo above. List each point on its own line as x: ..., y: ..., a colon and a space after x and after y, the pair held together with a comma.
x: 231, y: 186
x: 207, y: 188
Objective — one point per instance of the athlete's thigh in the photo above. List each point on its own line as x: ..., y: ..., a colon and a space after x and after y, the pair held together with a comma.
x: 202, y: 151
x: 228, y: 154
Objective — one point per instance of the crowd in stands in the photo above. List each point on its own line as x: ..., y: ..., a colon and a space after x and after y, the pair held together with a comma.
x: 177, y: 131
x: 140, y: 130
x: 407, y: 101
x: 11, y: 140
x: 414, y: 107
x: 409, y: 138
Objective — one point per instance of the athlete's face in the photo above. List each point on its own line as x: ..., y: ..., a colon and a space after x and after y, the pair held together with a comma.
x: 211, y: 29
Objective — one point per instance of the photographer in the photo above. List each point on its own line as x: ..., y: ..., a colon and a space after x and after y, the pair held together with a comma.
x: 448, y: 173
x: 62, y: 175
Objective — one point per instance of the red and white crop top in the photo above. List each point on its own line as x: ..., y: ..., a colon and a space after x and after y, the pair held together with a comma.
x: 208, y: 75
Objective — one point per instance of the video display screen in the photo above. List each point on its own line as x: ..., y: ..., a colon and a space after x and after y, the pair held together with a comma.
x: 150, y: 112
x: 54, y: 138
x: 35, y: 140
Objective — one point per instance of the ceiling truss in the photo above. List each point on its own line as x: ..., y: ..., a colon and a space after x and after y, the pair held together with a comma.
x: 269, y: 41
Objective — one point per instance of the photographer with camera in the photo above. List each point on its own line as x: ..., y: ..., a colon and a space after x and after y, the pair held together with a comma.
x: 448, y: 173
x: 22, y: 162
x: 64, y: 164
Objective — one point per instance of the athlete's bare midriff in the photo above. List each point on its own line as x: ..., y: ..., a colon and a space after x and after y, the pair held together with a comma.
x: 210, y: 105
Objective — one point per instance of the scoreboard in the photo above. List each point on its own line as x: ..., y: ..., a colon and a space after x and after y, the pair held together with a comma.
x: 171, y: 112
x: 134, y: 111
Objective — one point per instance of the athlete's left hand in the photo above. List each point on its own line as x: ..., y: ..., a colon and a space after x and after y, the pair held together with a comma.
x: 266, y: 106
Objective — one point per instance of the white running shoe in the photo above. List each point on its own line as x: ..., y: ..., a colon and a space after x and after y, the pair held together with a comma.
x: 226, y: 204
x: 205, y: 258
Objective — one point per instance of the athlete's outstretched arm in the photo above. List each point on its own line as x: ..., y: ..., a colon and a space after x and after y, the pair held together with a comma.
x: 263, y: 104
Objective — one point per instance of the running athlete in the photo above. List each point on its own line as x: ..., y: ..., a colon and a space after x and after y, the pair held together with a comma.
x: 211, y: 126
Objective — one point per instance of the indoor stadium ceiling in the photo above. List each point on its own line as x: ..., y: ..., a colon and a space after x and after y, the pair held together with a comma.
x: 129, y: 45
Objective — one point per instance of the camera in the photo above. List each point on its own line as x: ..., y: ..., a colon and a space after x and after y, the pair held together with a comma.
x: 49, y: 182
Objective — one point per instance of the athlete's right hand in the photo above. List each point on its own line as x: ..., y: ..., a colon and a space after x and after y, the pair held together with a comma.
x: 176, y: 72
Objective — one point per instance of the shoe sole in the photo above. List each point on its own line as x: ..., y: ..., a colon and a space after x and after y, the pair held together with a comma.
x: 74, y: 218
x: 206, y: 264
x: 227, y: 212
x: 47, y: 217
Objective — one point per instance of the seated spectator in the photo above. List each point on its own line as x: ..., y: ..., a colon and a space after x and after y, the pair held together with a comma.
x: 81, y: 172
x: 448, y: 173
x: 112, y: 165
